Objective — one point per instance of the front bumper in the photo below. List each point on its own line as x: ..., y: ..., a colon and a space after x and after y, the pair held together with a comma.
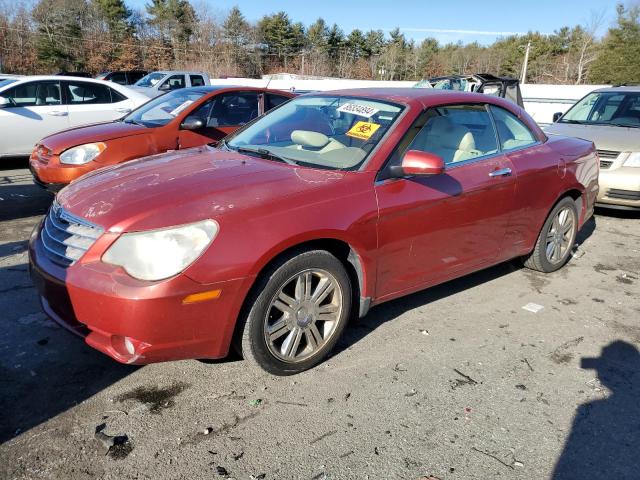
x: 54, y: 176
x: 132, y: 321
x: 619, y: 188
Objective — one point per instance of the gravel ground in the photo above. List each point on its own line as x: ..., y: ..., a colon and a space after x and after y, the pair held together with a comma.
x: 456, y: 382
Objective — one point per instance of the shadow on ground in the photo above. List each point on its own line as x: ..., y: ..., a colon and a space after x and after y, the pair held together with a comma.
x: 44, y: 370
x: 19, y: 196
x: 605, y: 436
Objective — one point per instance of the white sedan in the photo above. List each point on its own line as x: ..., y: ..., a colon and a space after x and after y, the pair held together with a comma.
x: 34, y: 107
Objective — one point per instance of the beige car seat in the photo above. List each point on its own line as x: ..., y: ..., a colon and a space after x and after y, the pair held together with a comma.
x: 454, y: 143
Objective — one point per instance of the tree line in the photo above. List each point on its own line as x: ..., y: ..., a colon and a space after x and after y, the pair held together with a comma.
x: 100, y: 35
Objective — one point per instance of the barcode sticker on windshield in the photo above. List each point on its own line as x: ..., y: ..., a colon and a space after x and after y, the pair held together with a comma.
x: 180, y: 108
x: 360, y: 110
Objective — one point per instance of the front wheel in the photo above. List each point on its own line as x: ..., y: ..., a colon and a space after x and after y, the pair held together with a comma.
x: 556, y: 240
x: 297, y: 312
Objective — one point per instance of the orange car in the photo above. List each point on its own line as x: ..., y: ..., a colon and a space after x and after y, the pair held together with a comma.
x: 183, y: 118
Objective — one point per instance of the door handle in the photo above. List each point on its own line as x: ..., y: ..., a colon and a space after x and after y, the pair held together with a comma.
x: 58, y: 113
x: 503, y: 172
x: 123, y: 110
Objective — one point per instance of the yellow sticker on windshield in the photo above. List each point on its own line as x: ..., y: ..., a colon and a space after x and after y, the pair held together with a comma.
x: 363, y: 130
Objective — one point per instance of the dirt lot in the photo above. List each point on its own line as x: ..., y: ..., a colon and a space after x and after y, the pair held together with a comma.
x: 457, y: 382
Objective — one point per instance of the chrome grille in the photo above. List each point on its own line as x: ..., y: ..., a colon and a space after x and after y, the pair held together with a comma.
x: 623, y: 194
x: 605, y: 163
x: 66, y: 237
x: 609, y: 154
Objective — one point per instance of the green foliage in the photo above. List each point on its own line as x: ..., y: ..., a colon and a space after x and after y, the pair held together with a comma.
x: 175, y: 20
x: 619, y: 58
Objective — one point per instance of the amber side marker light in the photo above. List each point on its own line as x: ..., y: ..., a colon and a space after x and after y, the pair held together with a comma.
x: 202, y: 296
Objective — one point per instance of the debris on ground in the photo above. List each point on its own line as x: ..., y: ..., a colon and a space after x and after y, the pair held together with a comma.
x: 323, y: 436
x: 118, y: 446
x: 221, y: 471
x: 490, y: 455
x: 424, y: 332
x: 256, y: 403
x: 459, y: 382
x: 207, y: 431
x: 532, y: 307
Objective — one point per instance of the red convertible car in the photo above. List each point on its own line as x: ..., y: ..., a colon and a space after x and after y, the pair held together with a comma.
x: 326, y: 206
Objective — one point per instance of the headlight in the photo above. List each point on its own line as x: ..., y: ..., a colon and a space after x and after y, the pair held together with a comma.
x: 633, y: 160
x: 82, y: 153
x: 160, y: 254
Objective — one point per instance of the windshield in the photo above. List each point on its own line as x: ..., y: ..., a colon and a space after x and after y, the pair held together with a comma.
x: 606, y: 108
x: 163, y: 109
x: 150, y: 80
x: 320, y: 131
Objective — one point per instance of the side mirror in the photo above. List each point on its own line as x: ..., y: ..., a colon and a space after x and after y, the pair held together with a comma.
x: 192, y: 123
x: 164, y: 86
x: 4, y: 102
x: 557, y: 116
x: 416, y: 162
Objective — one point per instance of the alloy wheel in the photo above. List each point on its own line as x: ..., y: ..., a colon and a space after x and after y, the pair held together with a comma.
x: 303, y: 315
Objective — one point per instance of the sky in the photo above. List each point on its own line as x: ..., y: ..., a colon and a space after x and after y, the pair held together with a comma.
x: 446, y: 20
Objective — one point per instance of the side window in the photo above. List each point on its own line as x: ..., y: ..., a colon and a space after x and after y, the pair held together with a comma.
x: 118, y: 77
x: 34, y: 94
x: 233, y: 109
x: 116, y: 96
x: 511, y: 131
x: 196, y: 80
x: 457, y: 133
x: 81, y: 93
x: 203, y: 112
x: 174, y: 82
x: 272, y: 101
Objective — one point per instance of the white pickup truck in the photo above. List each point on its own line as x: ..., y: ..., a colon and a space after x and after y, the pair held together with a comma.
x: 157, y: 83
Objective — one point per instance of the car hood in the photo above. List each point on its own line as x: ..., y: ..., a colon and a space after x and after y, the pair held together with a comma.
x: 187, y: 186
x: 620, y: 139
x: 147, y: 91
x: 100, y: 132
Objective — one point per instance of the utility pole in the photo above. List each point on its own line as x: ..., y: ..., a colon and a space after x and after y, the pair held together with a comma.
x: 523, y: 77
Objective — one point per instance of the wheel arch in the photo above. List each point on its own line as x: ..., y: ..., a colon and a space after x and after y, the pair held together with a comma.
x: 349, y: 255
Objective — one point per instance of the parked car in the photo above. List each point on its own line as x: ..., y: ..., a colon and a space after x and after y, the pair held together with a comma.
x: 74, y: 74
x: 180, y: 119
x: 124, y: 77
x: 610, y: 118
x: 33, y: 107
x: 157, y: 83
x: 331, y: 203
x: 486, y: 83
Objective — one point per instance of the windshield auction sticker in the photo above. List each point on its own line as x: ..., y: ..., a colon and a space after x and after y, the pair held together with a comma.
x: 363, y: 130
x: 360, y: 110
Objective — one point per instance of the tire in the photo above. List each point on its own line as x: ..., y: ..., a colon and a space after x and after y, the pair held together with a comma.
x: 304, y: 299
x: 558, y: 241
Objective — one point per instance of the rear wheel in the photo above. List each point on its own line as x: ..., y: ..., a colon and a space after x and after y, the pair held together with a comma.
x: 297, y: 312
x: 556, y: 240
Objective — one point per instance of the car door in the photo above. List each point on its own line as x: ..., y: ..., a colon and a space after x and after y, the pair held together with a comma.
x: 222, y: 115
x: 34, y: 111
x: 89, y: 103
x: 437, y: 227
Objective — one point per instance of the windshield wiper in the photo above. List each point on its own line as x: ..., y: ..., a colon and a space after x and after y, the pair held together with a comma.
x: 134, y: 122
x: 266, y: 154
x: 577, y: 122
